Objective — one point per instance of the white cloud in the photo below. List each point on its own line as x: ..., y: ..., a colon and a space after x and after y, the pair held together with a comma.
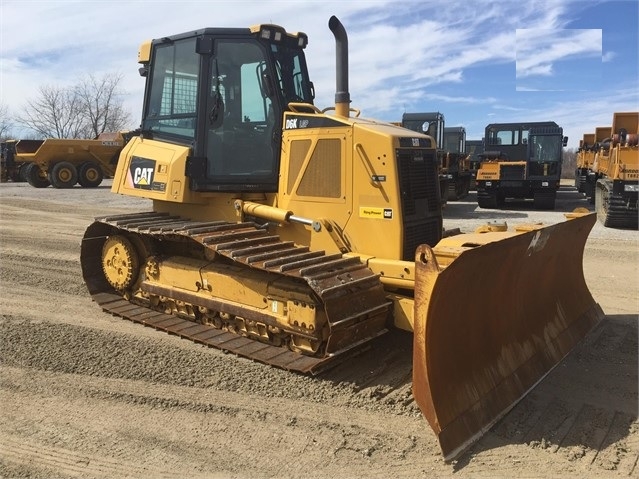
x: 538, y: 49
x: 403, y: 55
x: 461, y: 99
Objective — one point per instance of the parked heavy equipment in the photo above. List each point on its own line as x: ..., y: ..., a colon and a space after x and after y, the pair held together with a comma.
x: 456, y: 162
x: 451, y: 147
x: 62, y: 162
x: 431, y: 124
x: 523, y: 161
x: 10, y: 170
x: 617, y: 171
x: 474, y: 148
x: 602, y: 135
x: 295, y: 235
x: 585, y: 160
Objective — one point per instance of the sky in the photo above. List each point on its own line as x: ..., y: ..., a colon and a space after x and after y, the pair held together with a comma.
x: 574, y: 62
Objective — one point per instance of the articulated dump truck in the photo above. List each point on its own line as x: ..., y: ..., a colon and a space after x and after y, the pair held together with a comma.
x: 295, y: 235
x: 62, y: 162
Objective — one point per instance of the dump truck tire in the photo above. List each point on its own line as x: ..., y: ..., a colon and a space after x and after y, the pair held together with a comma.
x: 35, y: 178
x: 22, y: 172
x: 90, y: 175
x: 63, y: 175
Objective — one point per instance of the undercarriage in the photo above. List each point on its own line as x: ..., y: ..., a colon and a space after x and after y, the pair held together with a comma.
x: 233, y: 286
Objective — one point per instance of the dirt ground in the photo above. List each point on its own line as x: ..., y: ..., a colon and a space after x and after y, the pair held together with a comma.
x: 85, y: 394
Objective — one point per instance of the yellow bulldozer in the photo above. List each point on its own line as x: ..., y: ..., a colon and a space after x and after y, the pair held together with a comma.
x: 295, y: 235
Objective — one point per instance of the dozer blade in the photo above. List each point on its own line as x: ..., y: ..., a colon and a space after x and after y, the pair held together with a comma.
x: 494, y: 322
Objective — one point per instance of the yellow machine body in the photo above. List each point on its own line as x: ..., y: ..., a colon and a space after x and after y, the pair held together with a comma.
x: 586, y: 156
x: 616, y: 173
x: 63, y: 161
x: 343, y: 245
x: 584, y: 161
x: 521, y: 160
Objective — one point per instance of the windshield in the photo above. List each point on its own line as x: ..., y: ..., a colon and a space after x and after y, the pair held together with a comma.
x: 545, y: 148
x: 172, y: 96
x: 292, y: 75
x: 454, y: 141
x: 504, y: 137
x: 432, y: 128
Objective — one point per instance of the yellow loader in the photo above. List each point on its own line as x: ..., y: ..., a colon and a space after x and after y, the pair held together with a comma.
x: 294, y: 236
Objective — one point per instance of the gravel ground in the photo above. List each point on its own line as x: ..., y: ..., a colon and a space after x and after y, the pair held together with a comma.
x: 85, y: 394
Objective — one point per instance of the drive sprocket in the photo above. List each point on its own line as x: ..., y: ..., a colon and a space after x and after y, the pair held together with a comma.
x: 120, y: 262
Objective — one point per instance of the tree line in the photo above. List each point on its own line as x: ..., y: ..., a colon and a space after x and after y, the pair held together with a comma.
x: 92, y: 106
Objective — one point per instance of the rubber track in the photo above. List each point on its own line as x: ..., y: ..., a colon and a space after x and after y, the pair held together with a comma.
x: 333, y: 278
x: 617, y: 215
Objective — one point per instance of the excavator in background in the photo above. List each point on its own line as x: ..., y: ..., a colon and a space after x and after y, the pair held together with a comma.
x: 602, y: 134
x: 294, y: 235
x: 585, y: 160
x: 521, y: 160
x: 617, y: 171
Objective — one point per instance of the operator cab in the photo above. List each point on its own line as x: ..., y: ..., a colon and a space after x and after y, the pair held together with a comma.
x: 431, y: 124
x: 223, y: 92
x: 539, y: 144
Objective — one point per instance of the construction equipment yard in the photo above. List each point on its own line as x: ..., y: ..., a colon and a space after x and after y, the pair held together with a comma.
x: 85, y: 394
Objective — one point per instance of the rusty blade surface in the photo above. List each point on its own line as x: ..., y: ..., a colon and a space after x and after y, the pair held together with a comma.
x: 493, y: 323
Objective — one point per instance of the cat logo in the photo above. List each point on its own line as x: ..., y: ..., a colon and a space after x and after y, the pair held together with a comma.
x: 141, y: 173
x: 143, y: 176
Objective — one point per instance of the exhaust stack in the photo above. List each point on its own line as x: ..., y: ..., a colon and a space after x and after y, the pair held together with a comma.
x: 342, y: 96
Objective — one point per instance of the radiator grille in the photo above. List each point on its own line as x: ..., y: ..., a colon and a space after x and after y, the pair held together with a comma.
x: 512, y: 172
x: 420, y: 199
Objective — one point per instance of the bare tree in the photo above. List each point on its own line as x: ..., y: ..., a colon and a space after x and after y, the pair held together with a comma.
x: 101, y: 104
x: 54, y: 113
x: 5, y: 122
x: 85, y: 110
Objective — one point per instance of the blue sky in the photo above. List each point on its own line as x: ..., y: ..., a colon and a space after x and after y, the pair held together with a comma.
x: 476, y: 61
